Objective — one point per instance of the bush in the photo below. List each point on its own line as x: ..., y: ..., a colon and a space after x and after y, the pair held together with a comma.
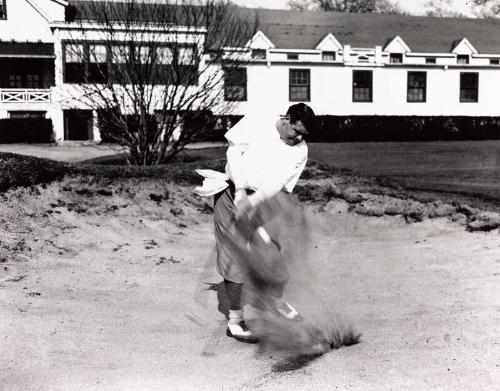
x: 179, y: 173
x: 199, y: 125
x: 26, y: 130
x: 25, y: 171
x: 213, y: 128
x: 404, y: 128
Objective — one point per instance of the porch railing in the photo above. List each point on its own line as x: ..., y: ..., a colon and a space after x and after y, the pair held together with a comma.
x: 25, y: 96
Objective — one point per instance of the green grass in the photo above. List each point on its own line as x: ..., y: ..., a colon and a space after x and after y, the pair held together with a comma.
x: 463, y: 168
x: 185, y: 156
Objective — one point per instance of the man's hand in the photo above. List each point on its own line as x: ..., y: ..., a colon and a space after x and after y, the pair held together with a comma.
x: 239, y: 194
x: 243, y: 206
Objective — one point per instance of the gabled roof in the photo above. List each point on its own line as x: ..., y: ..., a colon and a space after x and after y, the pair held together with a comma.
x: 260, y: 41
x: 397, y: 45
x: 329, y: 43
x: 463, y: 46
x: 304, y: 29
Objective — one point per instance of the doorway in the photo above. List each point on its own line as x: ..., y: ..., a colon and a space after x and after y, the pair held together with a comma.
x: 78, y: 125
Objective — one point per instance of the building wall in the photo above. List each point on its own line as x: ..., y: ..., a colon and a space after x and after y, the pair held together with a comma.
x: 24, y: 23
x: 54, y: 10
x: 331, y: 91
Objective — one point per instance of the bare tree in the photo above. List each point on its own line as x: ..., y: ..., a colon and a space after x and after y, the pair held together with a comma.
x: 150, y: 69
x: 360, y: 6
x: 442, y: 8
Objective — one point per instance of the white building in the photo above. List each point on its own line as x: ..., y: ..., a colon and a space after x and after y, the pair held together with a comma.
x: 342, y: 64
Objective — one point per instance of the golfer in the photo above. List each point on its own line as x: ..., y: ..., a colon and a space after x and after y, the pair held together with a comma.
x: 266, y: 156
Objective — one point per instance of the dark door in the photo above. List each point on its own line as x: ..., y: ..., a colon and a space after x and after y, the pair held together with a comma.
x: 78, y: 125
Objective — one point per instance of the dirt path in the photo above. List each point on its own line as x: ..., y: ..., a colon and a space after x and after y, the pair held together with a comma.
x: 116, y: 297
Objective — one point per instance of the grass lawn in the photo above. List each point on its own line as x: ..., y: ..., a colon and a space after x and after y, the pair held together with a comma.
x: 470, y: 168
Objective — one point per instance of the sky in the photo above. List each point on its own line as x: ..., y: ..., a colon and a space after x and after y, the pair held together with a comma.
x: 413, y: 6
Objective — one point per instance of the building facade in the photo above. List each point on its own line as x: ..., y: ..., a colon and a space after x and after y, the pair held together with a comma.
x: 341, y: 64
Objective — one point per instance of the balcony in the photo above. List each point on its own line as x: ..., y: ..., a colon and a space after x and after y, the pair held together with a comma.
x: 17, y: 95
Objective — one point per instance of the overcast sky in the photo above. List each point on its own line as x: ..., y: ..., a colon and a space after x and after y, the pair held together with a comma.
x: 413, y: 6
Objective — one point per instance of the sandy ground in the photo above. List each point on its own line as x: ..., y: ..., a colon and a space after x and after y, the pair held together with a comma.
x: 120, y: 293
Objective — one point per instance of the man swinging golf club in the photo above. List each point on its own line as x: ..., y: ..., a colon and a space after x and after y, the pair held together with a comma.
x: 266, y: 156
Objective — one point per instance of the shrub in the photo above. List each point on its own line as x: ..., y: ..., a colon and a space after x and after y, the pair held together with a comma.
x: 196, y: 125
x: 404, y: 128
x: 26, y: 130
x: 213, y: 128
x: 25, y: 171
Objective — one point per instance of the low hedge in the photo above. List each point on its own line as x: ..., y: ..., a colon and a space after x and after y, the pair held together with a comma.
x: 204, y: 126
x: 25, y: 171
x: 197, y: 125
x: 26, y: 130
x: 331, y: 128
x: 404, y: 128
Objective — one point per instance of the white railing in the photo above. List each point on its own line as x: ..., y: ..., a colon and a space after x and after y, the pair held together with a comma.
x: 24, y: 96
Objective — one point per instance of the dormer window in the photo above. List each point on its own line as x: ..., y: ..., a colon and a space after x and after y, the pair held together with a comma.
x: 3, y: 9
x: 258, y: 54
x: 396, y: 58
x: 462, y: 59
x: 328, y: 56
x: 292, y: 56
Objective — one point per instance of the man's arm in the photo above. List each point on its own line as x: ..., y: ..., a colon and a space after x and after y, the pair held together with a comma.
x: 285, y: 176
x: 234, y: 157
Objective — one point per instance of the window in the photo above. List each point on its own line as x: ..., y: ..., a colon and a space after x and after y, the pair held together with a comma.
x: 187, y: 62
x: 98, y: 64
x: 186, y: 56
x: 417, y: 85
x: 430, y: 60
x: 463, y: 59
x: 165, y: 55
x: 24, y: 80
x: 469, y: 86
x: 235, y: 84
x: 32, y: 81
x: 74, y: 65
x: 328, y: 56
x: 494, y: 61
x: 142, y: 55
x: 3, y: 9
x: 15, y: 81
x: 396, y: 58
x: 120, y: 54
x: 362, y: 86
x: 299, y: 85
x: 85, y: 63
x: 292, y: 56
x: 259, y: 54
x: 97, y: 53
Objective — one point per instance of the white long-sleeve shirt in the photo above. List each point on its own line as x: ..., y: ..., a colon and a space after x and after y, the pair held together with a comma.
x: 257, y: 159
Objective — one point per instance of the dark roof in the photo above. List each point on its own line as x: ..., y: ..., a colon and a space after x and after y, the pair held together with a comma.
x: 141, y: 12
x: 305, y: 29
